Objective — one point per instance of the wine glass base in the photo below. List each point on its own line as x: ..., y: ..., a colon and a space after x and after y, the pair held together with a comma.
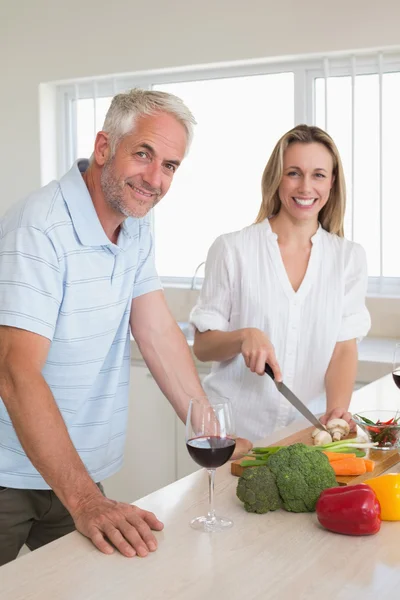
x: 209, y: 524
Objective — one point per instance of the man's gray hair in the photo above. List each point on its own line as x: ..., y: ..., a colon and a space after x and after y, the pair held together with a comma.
x: 127, y: 107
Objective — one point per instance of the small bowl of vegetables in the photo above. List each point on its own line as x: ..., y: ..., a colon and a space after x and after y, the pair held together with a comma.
x: 381, y: 426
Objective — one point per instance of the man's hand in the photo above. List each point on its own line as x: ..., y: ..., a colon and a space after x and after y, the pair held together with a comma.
x: 258, y: 350
x: 127, y: 527
x: 339, y: 413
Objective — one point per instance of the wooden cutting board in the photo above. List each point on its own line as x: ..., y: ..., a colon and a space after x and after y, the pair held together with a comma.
x: 384, y: 459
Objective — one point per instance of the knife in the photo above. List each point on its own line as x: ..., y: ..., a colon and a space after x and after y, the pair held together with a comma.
x: 294, y: 400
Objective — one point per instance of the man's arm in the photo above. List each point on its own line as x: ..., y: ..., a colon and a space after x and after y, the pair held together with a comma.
x: 165, y: 350
x: 339, y: 381
x: 45, y: 439
x: 166, y: 353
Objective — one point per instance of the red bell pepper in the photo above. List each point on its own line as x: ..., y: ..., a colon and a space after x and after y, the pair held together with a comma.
x: 351, y: 510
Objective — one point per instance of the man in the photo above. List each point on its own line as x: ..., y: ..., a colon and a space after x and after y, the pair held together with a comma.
x: 76, y: 270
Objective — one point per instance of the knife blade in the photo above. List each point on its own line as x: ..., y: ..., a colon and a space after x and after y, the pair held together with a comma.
x: 294, y: 400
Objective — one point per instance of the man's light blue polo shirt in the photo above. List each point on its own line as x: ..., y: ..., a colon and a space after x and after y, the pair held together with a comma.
x: 62, y: 278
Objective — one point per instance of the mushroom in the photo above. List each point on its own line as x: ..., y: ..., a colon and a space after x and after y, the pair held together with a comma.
x: 321, y: 437
x: 338, y: 428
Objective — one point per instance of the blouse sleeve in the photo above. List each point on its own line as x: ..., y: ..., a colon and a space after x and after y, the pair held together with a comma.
x: 213, y: 307
x: 356, y: 321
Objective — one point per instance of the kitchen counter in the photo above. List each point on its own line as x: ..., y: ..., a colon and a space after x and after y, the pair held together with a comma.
x: 277, y: 556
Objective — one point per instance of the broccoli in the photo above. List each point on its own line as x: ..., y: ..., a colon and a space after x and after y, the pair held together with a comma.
x: 301, y: 475
x: 257, y: 489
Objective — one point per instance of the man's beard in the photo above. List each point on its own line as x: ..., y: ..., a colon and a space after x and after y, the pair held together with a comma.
x: 113, y: 191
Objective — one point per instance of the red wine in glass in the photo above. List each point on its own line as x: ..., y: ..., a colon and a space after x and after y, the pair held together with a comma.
x: 210, y: 440
x: 212, y: 451
x: 396, y: 377
x: 396, y: 365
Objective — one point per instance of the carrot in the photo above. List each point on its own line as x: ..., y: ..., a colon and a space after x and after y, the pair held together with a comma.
x: 369, y: 465
x: 332, y: 456
x: 349, y: 466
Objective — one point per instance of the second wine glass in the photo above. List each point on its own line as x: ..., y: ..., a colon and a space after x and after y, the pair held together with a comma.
x: 396, y: 365
x: 210, y: 440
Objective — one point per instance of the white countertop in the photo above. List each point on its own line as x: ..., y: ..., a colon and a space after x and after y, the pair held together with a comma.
x: 375, y: 358
x: 277, y: 556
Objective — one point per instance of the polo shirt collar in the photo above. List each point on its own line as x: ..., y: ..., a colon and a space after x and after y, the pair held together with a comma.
x: 83, y: 214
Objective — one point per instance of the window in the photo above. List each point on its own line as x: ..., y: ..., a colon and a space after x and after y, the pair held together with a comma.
x: 241, y: 112
x: 371, y: 107
x: 90, y: 115
x: 218, y: 188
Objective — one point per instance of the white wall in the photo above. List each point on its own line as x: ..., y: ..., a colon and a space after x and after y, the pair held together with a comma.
x: 47, y: 40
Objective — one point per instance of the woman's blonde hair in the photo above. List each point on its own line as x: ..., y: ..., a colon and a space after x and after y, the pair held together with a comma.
x: 331, y: 215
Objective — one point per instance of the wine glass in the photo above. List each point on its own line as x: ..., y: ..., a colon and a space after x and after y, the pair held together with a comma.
x: 210, y: 442
x: 396, y: 365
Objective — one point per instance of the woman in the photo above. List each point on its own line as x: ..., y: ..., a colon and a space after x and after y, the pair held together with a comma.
x: 288, y: 290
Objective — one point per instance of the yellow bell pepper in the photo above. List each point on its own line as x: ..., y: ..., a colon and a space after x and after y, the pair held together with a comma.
x: 387, y: 489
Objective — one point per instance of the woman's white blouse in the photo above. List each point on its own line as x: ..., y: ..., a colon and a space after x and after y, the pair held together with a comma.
x: 246, y: 285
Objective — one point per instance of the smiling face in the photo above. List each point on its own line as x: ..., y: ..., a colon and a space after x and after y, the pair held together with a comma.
x: 142, y: 168
x: 307, y: 179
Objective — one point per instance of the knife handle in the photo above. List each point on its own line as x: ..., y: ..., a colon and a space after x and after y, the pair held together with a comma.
x: 269, y: 371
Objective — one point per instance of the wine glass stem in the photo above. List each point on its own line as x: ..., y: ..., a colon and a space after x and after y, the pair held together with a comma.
x: 211, y: 510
